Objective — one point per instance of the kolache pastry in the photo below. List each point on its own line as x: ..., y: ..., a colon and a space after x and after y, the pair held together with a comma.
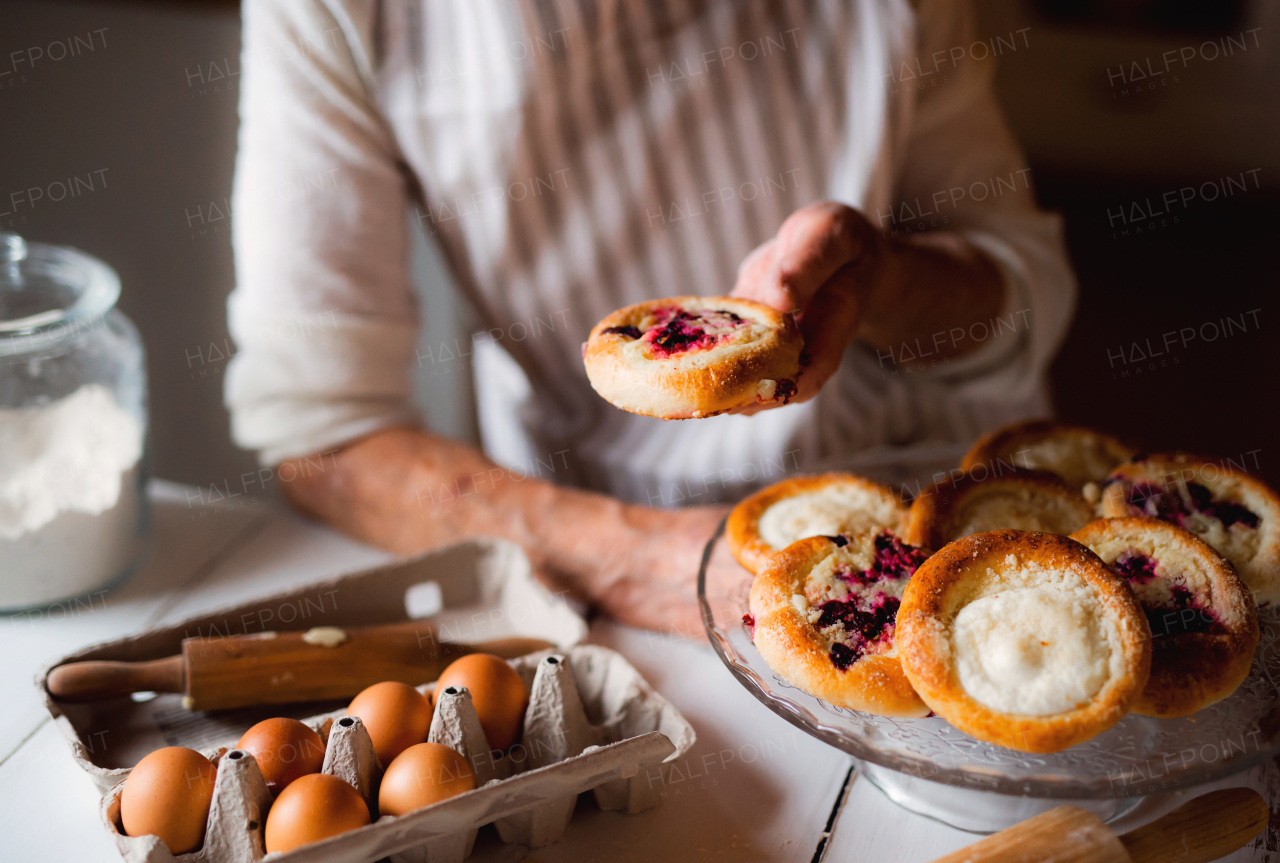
x: 693, y: 357
x: 1236, y: 514
x: 986, y: 500
x: 828, y: 504
x: 1023, y: 639
x: 1082, y: 456
x: 823, y: 615
x: 1203, y: 625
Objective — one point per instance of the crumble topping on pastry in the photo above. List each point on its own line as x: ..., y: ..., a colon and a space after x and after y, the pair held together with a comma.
x: 851, y: 598
x: 839, y: 508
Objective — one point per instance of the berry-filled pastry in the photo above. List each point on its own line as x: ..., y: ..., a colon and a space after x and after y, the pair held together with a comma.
x: 1081, y: 456
x: 824, y: 505
x: 1229, y: 509
x: 1203, y: 625
x: 1025, y: 640
x: 981, y: 501
x: 693, y: 357
x: 823, y: 614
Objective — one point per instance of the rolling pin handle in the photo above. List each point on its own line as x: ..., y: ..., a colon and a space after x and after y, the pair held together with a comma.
x: 97, y: 681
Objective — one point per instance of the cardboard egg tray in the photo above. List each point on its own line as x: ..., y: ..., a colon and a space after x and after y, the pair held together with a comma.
x: 593, y: 723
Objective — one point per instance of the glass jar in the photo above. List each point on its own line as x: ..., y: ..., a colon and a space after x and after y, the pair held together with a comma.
x: 73, y: 427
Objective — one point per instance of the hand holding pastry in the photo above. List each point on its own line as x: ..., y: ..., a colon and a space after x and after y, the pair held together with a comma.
x: 818, y: 268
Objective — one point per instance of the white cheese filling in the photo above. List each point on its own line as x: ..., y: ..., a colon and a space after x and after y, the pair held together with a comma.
x: 1035, y: 650
x: 829, y: 511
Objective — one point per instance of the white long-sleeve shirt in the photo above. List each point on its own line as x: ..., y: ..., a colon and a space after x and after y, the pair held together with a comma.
x: 571, y: 157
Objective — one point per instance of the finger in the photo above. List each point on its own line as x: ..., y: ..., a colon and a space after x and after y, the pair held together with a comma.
x: 814, y: 243
x: 753, y: 273
x: 829, y: 324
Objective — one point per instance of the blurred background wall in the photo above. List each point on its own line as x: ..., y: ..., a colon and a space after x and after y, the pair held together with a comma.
x: 1122, y: 107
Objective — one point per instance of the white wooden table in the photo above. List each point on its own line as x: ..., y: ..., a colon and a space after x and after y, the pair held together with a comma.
x: 753, y: 788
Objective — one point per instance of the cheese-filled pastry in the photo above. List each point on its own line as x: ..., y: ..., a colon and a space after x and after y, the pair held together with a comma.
x: 1026, y: 640
x: 978, y: 502
x: 1082, y: 456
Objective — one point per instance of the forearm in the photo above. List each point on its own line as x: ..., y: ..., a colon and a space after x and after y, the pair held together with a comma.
x: 932, y: 284
x: 408, y: 491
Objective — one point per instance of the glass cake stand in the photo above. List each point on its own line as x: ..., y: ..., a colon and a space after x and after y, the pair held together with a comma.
x: 929, y: 767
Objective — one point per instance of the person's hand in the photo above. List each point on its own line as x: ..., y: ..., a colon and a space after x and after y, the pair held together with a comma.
x: 821, y: 267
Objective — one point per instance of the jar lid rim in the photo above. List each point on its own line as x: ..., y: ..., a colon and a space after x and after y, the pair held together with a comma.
x: 97, y: 285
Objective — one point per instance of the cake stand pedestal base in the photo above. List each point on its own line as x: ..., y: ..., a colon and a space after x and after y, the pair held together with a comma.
x: 977, y: 811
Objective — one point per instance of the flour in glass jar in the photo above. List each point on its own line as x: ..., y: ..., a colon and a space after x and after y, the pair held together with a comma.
x: 69, y: 497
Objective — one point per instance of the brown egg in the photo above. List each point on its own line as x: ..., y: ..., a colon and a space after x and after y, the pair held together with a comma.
x: 285, y: 749
x: 311, y: 808
x: 396, y: 715
x: 497, y: 692
x: 168, y: 794
x: 422, y: 775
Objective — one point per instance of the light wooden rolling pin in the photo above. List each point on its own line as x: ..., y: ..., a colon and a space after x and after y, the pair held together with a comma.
x: 1207, y: 828
x: 281, y: 667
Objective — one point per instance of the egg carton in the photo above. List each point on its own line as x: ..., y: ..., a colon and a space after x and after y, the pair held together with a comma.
x: 482, y: 589
x: 528, y: 792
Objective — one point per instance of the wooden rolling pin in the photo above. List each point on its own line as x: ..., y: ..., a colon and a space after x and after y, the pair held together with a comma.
x: 281, y: 667
x: 1207, y: 828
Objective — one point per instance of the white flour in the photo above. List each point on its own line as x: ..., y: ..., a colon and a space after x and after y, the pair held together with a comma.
x: 68, y: 500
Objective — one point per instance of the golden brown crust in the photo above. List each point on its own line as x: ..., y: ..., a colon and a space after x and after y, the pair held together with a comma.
x: 955, y: 575
x: 742, y: 531
x: 1191, y: 670
x: 1254, y: 552
x: 800, y: 655
x: 1077, y: 454
x: 1016, y: 499
x: 699, y: 383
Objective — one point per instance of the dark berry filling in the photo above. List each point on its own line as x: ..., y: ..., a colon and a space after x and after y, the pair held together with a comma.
x: 1180, y: 615
x: 628, y: 331
x: 750, y: 623
x: 785, y: 390
x: 678, y: 331
x: 893, y: 559
x: 1135, y: 568
x: 840, y: 540
x: 866, y: 622
x: 1164, y: 502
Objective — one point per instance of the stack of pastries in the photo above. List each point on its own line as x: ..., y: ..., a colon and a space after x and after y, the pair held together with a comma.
x: 1054, y: 583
